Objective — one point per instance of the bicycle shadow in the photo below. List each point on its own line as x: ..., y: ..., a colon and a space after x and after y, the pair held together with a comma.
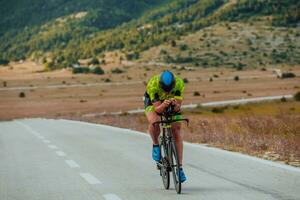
x: 194, y: 190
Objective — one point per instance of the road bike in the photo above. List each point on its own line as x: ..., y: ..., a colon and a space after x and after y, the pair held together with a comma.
x: 169, y: 159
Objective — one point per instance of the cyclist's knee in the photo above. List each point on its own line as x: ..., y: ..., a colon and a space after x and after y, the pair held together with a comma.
x: 152, y: 117
x: 176, y: 127
x: 154, y: 127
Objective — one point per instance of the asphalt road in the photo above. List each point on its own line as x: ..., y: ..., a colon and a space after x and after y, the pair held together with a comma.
x: 60, y: 159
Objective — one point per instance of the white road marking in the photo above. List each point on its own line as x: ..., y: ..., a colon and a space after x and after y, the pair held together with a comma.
x: 90, y: 178
x: 29, y: 129
x: 52, y: 147
x: 60, y: 153
x: 111, y: 197
x: 72, y: 163
x: 46, y: 141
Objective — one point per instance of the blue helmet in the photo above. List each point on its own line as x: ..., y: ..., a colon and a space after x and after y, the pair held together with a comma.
x: 167, y: 81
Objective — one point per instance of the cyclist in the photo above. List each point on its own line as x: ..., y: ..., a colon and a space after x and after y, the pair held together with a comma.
x: 161, y: 91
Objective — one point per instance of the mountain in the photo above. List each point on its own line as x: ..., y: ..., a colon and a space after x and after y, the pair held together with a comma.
x: 16, y: 14
x: 65, y: 31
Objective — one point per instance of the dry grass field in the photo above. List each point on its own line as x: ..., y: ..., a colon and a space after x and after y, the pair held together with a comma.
x: 52, y: 94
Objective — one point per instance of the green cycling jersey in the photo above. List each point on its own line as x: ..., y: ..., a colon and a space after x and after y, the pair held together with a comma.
x: 156, y: 93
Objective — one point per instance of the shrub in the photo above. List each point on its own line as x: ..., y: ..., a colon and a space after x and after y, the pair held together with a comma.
x: 117, y: 71
x: 97, y: 70
x: 288, y: 75
x: 283, y: 99
x: 107, y: 80
x: 187, y: 59
x: 22, y: 95
x: 163, y: 52
x: 94, y: 61
x: 196, y: 93
x: 218, y: 109
x: 4, y: 83
x: 185, y: 80
x: 173, y: 43
x: 132, y: 56
x: 80, y: 70
x: 297, y: 96
x: 236, y: 78
x: 183, y: 47
x: 4, y: 62
x: 211, y: 79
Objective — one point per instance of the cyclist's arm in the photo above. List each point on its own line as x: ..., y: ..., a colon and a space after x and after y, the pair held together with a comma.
x: 160, y: 107
x: 177, y: 100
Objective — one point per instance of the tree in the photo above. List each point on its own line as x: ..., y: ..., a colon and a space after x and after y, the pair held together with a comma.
x: 4, y: 61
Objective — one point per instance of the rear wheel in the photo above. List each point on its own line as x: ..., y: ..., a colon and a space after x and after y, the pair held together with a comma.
x: 175, y: 167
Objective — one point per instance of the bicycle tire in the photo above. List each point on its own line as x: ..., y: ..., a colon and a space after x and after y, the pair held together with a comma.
x: 175, y: 166
x: 164, y: 171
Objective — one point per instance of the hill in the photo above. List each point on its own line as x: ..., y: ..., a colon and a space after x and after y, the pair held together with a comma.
x: 137, y: 26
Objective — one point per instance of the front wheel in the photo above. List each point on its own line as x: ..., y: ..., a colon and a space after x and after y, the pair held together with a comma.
x: 165, y: 173
x: 165, y: 169
x: 175, y: 167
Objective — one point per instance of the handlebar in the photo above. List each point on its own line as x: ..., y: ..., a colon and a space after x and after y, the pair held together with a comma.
x: 171, y: 121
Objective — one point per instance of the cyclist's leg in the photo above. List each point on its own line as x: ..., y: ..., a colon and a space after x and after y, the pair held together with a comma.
x: 178, y: 139
x: 152, y: 117
x: 154, y: 130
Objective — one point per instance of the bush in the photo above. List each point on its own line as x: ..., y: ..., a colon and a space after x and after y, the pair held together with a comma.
x: 97, y: 70
x: 196, y: 93
x: 4, y: 62
x: 211, y: 79
x: 94, y: 61
x: 173, y: 43
x: 240, y: 66
x: 117, y: 71
x: 185, y: 80
x: 218, y: 109
x: 4, y: 83
x: 80, y: 70
x: 297, y: 96
x: 21, y: 94
x: 107, y: 80
x: 133, y: 56
x: 236, y: 78
x: 283, y: 99
x: 183, y: 47
x: 288, y: 75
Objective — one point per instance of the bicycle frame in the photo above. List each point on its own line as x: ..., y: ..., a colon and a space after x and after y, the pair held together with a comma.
x: 166, y: 125
x: 170, y: 161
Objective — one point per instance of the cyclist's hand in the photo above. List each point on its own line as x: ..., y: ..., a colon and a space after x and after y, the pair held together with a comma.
x: 167, y: 102
x: 174, y: 101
